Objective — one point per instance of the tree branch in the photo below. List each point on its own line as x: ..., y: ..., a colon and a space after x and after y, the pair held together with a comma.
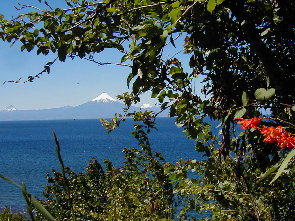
x: 28, y: 6
x: 108, y: 63
x: 146, y: 6
x: 81, y: 22
x: 186, y: 10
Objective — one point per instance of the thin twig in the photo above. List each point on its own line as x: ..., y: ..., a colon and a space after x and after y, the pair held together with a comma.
x: 29, y: 6
x: 145, y: 6
x: 81, y: 22
x: 229, y: 192
x: 282, y: 121
x: 34, y: 7
x: 76, y: 7
x: 108, y: 63
x: 186, y: 10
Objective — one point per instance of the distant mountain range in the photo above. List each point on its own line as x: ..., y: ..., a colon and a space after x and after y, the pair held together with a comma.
x: 101, y: 106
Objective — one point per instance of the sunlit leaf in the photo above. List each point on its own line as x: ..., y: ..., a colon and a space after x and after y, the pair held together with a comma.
x: 30, y: 200
x: 211, y: 5
x: 284, y: 165
x: 269, y: 171
x: 263, y: 94
x: 245, y: 98
x: 41, y: 209
x: 240, y: 113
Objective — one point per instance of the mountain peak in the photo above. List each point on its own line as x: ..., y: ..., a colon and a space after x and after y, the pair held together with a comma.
x: 145, y: 106
x: 103, y: 97
x: 10, y: 108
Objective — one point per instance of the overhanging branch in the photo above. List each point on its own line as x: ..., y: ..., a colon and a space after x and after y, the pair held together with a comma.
x: 108, y: 63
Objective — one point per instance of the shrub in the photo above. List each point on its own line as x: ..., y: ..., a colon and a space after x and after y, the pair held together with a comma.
x: 138, y: 190
x: 6, y: 215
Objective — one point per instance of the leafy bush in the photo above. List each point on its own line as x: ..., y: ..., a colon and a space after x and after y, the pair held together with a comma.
x: 139, y: 189
x: 6, y: 215
x: 230, y: 189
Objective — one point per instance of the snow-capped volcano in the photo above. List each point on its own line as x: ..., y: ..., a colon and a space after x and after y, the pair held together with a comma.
x: 145, y: 106
x: 103, y: 97
x: 10, y: 108
x: 103, y: 106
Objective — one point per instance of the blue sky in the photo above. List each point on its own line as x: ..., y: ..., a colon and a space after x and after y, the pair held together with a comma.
x: 70, y: 83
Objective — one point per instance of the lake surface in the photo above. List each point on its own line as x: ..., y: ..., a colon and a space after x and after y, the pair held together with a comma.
x: 27, y: 150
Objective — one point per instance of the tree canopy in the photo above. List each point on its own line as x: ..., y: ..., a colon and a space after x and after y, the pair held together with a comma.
x: 244, y: 52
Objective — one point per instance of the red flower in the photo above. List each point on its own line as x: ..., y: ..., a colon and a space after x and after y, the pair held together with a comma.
x: 271, y: 134
x: 288, y: 142
x: 279, y: 135
x: 246, y: 124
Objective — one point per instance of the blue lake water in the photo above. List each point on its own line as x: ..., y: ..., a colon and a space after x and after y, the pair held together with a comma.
x: 27, y: 150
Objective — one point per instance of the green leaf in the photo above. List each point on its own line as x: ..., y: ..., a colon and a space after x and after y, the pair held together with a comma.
x: 240, y: 113
x: 284, y: 165
x: 136, y: 85
x: 172, y: 41
x: 165, y: 34
x: 129, y: 78
x: 10, y: 180
x: 41, y: 209
x: 62, y: 53
x: 263, y: 94
x: 140, y: 73
x: 211, y: 5
x: 269, y: 171
x: 57, y: 149
x: 30, y: 199
x: 245, y: 98
x: 174, y: 13
x: 36, y: 32
x: 293, y: 108
x: 267, y: 81
x: 111, y: 10
x: 218, y: 2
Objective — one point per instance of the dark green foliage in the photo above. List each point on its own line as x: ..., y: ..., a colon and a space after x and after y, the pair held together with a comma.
x: 86, y: 193
x: 228, y: 190
x: 6, y: 215
x: 139, y: 189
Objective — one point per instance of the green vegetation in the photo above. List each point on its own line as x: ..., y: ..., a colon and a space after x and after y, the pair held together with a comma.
x: 126, y: 193
x: 6, y: 215
x: 244, y: 53
x: 139, y: 189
